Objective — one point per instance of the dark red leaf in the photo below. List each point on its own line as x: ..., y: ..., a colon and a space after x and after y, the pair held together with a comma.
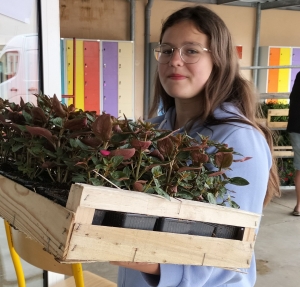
x: 76, y: 124
x: 126, y: 153
x: 58, y: 108
x: 223, y: 159
x: 140, y: 145
x: 38, y: 131
x: 102, y: 127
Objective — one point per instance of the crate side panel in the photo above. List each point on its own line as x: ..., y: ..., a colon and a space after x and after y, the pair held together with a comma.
x: 130, y: 201
x: 102, y: 243
x: 38, y: 217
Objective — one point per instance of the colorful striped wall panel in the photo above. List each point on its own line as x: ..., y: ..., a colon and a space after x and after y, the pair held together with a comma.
x: 104, y: 77
x: 277, y: 80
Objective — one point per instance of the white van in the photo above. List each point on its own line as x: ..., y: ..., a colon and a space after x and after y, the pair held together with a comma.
x: 19, y: 69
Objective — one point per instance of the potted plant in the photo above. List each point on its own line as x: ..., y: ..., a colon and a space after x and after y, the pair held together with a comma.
x: 55, y: 143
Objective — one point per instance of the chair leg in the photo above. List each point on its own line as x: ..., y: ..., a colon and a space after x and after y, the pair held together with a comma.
x: 78, y: 274
x: 14, y: 256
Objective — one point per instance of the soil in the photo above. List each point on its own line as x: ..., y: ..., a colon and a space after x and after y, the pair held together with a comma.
x: 56, y: 192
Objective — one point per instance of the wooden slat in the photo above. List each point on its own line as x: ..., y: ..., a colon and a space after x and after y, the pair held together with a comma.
x: 136, y: 202
x: 102, y: 243
x: 277, y: 112
x: 84, y: 215
x: 38, y: 217
x: 283, y: 151
x: 249, y: 235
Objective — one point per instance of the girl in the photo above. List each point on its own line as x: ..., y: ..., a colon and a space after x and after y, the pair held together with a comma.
x: 201, y: 90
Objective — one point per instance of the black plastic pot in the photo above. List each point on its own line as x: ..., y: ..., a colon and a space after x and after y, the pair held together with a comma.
x: 202, y: 229
x: 173, y: 225
x: 228, y: 232
x: 98, y: 217
x: 129, y: 220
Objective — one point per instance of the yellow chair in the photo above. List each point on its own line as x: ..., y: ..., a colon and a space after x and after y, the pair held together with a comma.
x: 22, y: 247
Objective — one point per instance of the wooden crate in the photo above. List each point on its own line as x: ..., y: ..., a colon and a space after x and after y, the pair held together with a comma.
x: 277, y: 112
x: 283, y: 151
x: 69, y: 235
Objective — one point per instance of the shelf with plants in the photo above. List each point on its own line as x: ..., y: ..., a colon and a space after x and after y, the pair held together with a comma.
x: 283, y: 149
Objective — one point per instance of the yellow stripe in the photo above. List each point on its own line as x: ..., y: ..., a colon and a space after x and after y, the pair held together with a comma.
x: 79, y: 75
x: 69, y: 53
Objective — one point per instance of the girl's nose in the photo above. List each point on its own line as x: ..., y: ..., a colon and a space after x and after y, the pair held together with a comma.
x: 176, y: 59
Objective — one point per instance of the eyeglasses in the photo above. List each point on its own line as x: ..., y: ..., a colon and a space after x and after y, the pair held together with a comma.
x: 189, y: 53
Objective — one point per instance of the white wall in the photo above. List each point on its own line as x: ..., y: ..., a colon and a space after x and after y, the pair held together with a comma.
x: 51, y: 47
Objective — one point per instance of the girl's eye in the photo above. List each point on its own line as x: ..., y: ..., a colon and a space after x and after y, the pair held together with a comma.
x: 167, y: 51
x: 192, y: 51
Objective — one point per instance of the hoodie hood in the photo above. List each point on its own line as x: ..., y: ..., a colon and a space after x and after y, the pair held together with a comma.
x: 167, y: 121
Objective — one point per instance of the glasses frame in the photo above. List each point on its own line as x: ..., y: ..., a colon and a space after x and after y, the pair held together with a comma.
x: 179, y: 49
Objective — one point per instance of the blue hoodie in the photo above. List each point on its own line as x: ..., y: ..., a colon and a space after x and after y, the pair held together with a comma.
x: 249, y: 142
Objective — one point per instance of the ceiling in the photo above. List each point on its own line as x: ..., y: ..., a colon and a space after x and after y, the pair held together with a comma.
x: 272, y: 4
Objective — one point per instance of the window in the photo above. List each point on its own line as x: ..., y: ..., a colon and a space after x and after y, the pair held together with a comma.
x: 8, y: 65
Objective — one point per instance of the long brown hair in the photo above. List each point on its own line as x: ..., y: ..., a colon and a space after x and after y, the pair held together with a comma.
x: 225, y: 83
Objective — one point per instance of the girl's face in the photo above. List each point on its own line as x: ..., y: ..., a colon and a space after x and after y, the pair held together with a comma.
x: 179, y: 79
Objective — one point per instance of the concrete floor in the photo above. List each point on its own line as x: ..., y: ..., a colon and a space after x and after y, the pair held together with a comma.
x: 277, y: 251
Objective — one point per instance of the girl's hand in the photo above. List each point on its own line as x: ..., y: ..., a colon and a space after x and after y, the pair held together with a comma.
x: 150, y: 268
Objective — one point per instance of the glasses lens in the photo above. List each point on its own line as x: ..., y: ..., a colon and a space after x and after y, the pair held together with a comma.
x: 191, y: 53
x: 163, y: 53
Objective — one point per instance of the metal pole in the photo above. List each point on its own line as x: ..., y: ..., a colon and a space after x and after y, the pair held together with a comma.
x: 132, y: 20
x: 147, y: 59
x: 256, y: 45
x: 270, y: 67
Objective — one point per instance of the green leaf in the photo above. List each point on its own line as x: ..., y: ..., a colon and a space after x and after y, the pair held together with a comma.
x: 157, y: 183
x: 82, y: 145
x: 21, y: 140
x: 95, y: 181
x: 95, y: 160
x: 117, y: 138
x: 185, y: 185
x: 127, y: 171
x: 100, y: 166
x: 211, y: 198
x: 150, y: 190
x: 183, y: 155
x: 156, y: 171
x: 17, y: 147
x: 161, y: 192
x: 35, y: 150
x: 238, y: 181
x: 233, y: 204
x: 73, y: 143
x: 28, y: 117
x: 90, y: 117
x: 22, y: 128
x: 119, y: 175
x: 49, y: 153
x: 116, y: 160
x: 58, y: 122
x: 78, y: 178
x: 116, y: 182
